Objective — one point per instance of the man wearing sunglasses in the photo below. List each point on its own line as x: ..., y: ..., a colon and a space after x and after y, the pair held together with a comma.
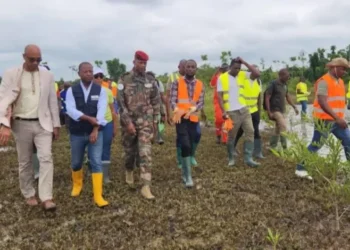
x: 27, y: 94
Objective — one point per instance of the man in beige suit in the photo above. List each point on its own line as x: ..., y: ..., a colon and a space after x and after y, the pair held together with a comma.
x: 28, y: 107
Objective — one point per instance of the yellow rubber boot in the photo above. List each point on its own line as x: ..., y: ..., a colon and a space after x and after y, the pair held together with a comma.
x: 97, y: 179
x: 146, y: 192
x: 77, y: 177
x: 129, y: 177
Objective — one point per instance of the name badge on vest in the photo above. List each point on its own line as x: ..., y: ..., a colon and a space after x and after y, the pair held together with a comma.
x: 148, y: 85
x: 94, y: 97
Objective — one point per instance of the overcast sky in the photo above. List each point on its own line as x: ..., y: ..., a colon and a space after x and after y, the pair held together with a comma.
x: 72, y: 31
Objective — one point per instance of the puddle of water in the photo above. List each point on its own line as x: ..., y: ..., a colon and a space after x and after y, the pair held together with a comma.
x: 6, y: 149
x: 304, y: 130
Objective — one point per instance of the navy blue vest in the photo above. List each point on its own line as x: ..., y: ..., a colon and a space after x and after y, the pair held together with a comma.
x: 89, y: 108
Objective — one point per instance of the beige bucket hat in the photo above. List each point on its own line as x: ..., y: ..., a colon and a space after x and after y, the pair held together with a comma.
x: 338, y: 62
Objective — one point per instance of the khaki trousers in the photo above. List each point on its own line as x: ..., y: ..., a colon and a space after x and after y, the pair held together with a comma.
x: 280, y: 123
x: 26, y: 133
x: 241, y: 119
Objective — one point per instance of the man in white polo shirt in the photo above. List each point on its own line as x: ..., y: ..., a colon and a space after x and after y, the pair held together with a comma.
x: 230, y: 88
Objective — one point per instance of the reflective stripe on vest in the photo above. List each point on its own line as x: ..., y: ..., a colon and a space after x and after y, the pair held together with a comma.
x: 174, y: 76
x: 225, y: 81
x: 251, y: 92
x: 183, y: 100
x: 303, y: 88
x: 335, y: 98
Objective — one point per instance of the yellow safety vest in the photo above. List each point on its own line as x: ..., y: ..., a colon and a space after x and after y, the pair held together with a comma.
x: 225, y: 81
x: 251, y: 93
x: 348, y: 94
x: 303, y: 88
x: 174, y: 76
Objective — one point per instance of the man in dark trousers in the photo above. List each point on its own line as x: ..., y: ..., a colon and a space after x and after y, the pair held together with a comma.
x: 86, y: 105
x: 187, y: 100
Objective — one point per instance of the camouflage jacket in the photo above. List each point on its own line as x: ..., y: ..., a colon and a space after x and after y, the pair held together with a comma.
x: 138, y: 99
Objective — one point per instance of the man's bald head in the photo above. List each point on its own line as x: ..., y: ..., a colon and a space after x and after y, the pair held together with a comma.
x: 32, y: 57
x: 181, y: 67
x: 283, y: 75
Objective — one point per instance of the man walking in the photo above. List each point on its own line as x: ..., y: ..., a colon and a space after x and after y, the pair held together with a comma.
x: 86, y: 105
x: 139, y: 106
x: 219, y: 121
x: 187, y: 99
x: 275, y: 96
x: 232, y: 101
x: 28, y: 93
x: 252, y: 90
x: 329, y: 108
x: 302, y: 95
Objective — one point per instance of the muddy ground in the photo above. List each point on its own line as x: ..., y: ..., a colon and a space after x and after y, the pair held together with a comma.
x: 228, y: 209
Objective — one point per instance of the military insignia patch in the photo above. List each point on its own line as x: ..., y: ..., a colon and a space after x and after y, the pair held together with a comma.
x: 120, y: 86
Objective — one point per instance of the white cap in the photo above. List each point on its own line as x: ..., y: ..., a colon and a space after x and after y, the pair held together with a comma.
x: 98, y: 70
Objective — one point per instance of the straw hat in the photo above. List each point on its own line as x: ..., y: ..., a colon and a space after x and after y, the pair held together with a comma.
x: 338, y: 62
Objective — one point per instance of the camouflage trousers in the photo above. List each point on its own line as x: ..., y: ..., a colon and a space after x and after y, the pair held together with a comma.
x: 138, y: 150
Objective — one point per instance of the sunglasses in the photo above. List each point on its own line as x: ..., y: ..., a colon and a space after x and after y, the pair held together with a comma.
x: 99, y: 75
x: 32, y: 59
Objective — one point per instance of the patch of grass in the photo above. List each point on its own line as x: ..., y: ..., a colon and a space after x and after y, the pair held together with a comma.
x: 228, y: 208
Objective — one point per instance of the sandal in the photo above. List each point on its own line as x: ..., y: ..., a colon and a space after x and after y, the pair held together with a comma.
x: 32, y: 201
x: 49, y: 205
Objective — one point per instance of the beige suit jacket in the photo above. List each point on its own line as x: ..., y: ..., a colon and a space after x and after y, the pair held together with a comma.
x: 48, y: 103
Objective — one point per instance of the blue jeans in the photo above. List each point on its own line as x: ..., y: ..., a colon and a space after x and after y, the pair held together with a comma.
x: 303, y: 107
x: 197, y: 136
x: 107, y: 143
x: 78, y: 146
x: 342, y: 134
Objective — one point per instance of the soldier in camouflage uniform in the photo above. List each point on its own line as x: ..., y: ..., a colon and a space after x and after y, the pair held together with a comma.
x: 139, y: 108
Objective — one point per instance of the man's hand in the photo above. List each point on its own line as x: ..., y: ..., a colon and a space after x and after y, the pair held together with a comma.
x: 170, y: 120
x: 296, y: 110
x: 5, y: 133
x: 341, y: 123
x: 131, y: 129
x: 56, y: 133
x: 241, y: 60
x: 178, y: 113
x: 189, y: 112
x: 93, y: 135
x: 114, y: 131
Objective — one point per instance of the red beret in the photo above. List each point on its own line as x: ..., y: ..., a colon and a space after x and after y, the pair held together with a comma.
x: 140, y: 55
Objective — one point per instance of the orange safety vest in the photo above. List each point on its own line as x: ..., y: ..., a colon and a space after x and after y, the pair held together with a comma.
x: 335, y: 98
x: 183, y: 100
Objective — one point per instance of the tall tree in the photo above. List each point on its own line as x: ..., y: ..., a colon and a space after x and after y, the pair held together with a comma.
x: 115, y: 68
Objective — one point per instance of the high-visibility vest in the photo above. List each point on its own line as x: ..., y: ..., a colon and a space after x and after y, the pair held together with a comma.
x: 335, y: 98
x: 57, y: 90
x: 348, y: 94
x: 174, y: 76
x: 251, y: 93
x: 183, y: 100
x: 303, y: 88
x: 112, y: 86
x: 225, y: 81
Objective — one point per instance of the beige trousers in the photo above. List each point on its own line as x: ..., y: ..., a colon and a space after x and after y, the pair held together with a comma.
x: 25, y: 133
x: 241, y: 118
x: 280, y: 123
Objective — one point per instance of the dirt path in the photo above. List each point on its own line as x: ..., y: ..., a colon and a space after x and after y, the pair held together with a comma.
x: 228, y: 209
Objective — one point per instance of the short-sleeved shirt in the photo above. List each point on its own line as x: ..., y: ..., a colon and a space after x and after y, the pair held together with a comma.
x: 233, y: 91
x: 278, y: 92
x: 108, y: 115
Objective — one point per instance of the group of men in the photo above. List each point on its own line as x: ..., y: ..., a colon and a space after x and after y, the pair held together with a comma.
x: 29, y: 109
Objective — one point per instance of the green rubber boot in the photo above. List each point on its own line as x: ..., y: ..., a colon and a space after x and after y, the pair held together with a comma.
x: 105, y: 169
x: 193, y: 159
x: 258, y: 149
x: 230, y: 149
x: 283, y: 140
x: 248, y: 153
x: 274, y: 141
x: 187, y: 172
x: 179, y: 157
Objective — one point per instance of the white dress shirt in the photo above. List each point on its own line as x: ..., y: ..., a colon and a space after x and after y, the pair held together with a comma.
x: 101, y: 105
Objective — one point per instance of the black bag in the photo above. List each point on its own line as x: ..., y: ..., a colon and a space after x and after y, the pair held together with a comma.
x: 273, y: 90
